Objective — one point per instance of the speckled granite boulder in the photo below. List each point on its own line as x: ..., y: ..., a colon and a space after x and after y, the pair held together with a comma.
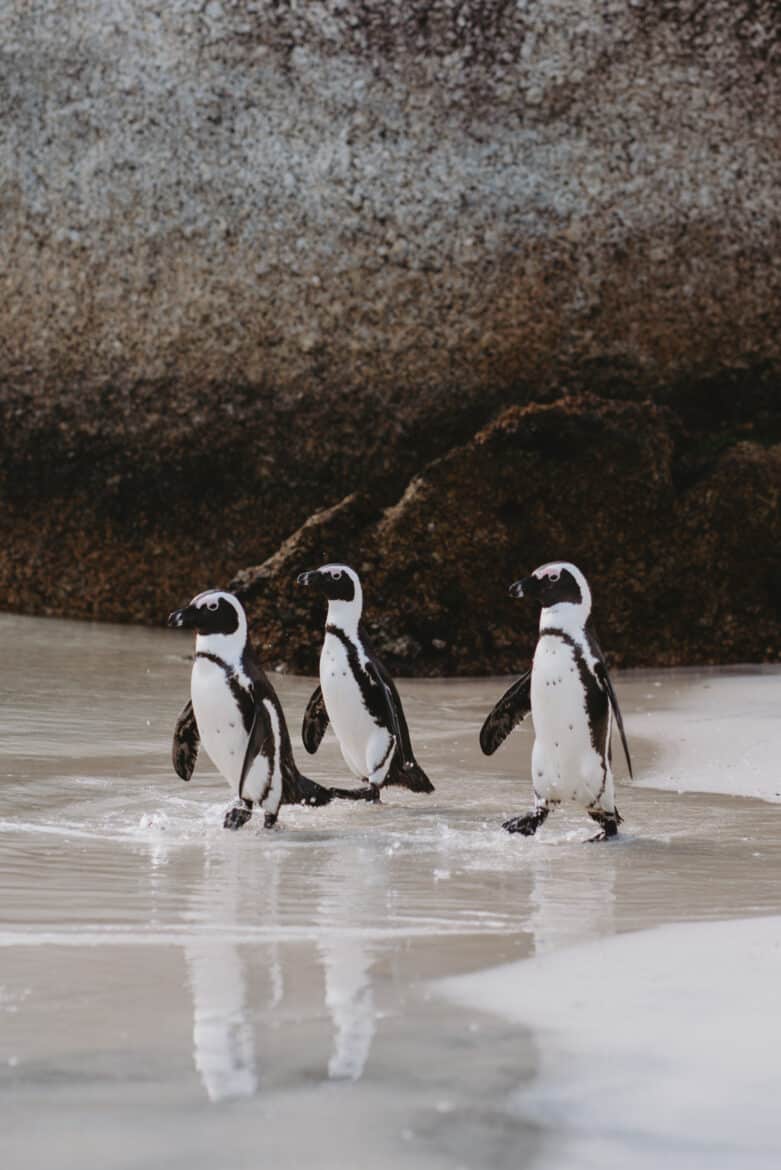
x: 260, y: 256
x: 352, y: 194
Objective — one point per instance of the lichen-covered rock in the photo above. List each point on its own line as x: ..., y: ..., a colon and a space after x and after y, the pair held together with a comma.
x: 260, y: 256
x: 287, y: 617
x: 681, y: 572
x: 353, y: 194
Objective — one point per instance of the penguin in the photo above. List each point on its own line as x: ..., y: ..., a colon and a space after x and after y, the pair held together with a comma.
x: 357, y: 695
x: 235, y: 711
x: 572, y: 702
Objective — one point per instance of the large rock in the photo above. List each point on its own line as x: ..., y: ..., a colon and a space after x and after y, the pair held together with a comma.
x: 682, y: 547
x: 348, y: 195
x: 260, y: 256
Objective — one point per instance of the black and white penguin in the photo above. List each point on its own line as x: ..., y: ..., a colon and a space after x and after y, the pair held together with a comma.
x: 235, y: 711
x: 357, y: 695
x: 572, y: 702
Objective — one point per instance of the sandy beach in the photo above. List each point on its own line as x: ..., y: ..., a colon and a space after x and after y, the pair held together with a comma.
x: 405, y: 980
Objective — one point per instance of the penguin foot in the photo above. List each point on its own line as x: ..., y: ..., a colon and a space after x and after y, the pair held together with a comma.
x: 528, y: 824
x: 609, y: 823
x: 237, y: 816
x: 370, y: 793
x: 269, y: 820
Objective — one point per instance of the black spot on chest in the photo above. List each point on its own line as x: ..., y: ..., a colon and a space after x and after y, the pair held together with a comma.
x: 372, y: 699
x: 243, y: 697
x: 595, y: 699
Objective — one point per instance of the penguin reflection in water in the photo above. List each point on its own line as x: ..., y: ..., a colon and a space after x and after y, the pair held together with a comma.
x: 572, y: 702
x: 235, y: 711
x: 356, y: 694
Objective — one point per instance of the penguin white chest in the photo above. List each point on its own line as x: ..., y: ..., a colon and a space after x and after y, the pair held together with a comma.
x: 565, y: 765
x: 352, y: 724
x: 220, y: 724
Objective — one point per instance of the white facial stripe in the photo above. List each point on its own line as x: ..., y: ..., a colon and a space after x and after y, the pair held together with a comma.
x: 230, y: 646
x: 554, y: 569
x: 211, y: 599
x: 337, y: 571
x: 565, y: 614
x: 345, y: 614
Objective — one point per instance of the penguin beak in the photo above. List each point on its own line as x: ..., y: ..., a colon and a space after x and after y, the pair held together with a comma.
x: 526, y: 587
x: 311, y: 577
x: 182, y: 618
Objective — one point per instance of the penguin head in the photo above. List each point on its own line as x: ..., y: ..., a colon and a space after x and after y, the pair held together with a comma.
x: 212, y: 612
x: 336, y: 582
x: 557, y: 583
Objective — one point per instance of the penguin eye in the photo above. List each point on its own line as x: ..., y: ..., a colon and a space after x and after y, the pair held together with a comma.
x: 212, y: 605
x: 336, y: 575
x: 553, y: 577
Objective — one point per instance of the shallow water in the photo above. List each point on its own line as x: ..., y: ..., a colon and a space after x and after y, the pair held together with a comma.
x: 175, y: 995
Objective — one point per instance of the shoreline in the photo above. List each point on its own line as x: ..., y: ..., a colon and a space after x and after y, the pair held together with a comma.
x: 266, y: 972
x: 658, y: 1043
x: 661, y: 1042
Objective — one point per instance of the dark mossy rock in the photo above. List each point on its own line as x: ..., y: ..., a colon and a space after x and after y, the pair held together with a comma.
x: 679, y: 574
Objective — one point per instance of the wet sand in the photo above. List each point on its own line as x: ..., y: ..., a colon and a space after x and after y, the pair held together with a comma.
x: 172, y: 995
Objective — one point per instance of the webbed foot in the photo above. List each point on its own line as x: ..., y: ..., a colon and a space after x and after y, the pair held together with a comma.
x: 371, y: 793
x: 269, y: 820
x: 528, y: 824
x: 609, y: 823
x: 237, y: 816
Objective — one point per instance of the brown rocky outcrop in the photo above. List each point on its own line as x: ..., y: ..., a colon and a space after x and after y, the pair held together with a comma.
x: 682, y: 547
x: 258, y: 257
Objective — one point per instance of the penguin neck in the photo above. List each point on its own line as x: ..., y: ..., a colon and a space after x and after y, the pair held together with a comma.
x: 228, y: 647
x: 345, y: 615
x: 565, y: 616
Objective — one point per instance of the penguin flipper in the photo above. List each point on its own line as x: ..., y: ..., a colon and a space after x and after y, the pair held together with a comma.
x: 404, y: 768
x: 604, y: 678
x: 186, y: 742
x: 315, y: 722
x: 260, y: 743
x: 513, y: 707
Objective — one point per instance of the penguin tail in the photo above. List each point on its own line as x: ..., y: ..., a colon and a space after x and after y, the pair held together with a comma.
x: 409, y: 775
x: 299, y: 789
